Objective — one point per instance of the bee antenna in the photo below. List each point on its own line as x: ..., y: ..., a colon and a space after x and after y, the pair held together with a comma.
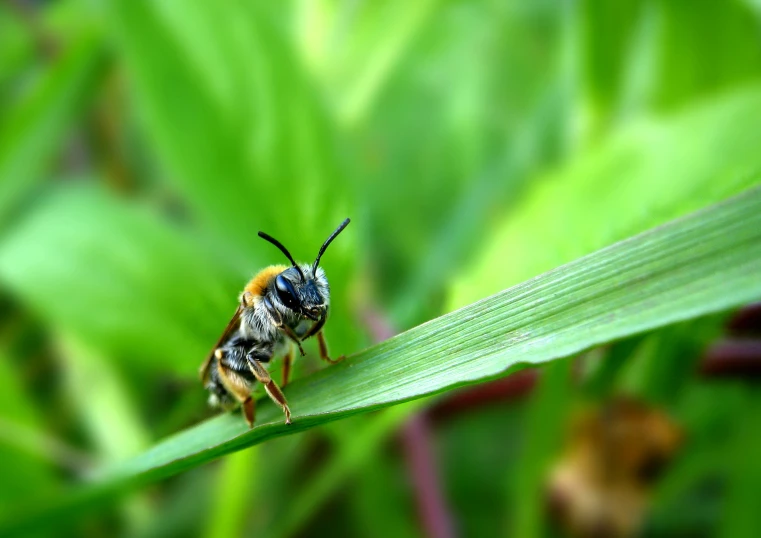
x: 327, y: 242
x: 284, y: 250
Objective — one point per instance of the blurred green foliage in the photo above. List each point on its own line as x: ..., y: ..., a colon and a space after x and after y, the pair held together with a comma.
x: 475, y: 144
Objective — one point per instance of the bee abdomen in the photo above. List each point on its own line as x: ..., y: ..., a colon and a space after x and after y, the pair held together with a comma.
x: 218, y: 393
x: 234, y: 357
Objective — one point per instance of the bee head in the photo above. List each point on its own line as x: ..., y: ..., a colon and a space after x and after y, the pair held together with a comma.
x: 304, y: 289
x: 308, y: 296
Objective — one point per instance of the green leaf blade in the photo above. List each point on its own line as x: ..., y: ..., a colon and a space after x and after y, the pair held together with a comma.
x: 706, y: 262
x: 673, y: 273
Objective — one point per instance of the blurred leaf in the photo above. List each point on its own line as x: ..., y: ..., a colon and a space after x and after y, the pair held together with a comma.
x: 232, y: 500
x: 103, y: 402
x: 382, y: 482
x: 182, y: 507
x: 16, y: 54
x: 470, y: 141
x: 654, y: 55
x: 600, y: 382
x: 31, y: 134
x: 118, y: 278
x: 15, y: 404
x: 649, y: 173
x: 691, y: 65
x: 108, y: 414
x: 351, y: 454
x: 547, y: 415
x: 476, y: 451
x: 707, y: 490
x: 461, y: 234
x: 362, y: 53
x: 25, y: 475
x: 607, y: 30
x: 741, y: 516
x: 657, y: 371
x: 245, y: 140
x: 693, y: 266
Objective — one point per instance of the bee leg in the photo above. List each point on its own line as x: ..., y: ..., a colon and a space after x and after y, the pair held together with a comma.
x: 287, y: 360
x: 323, y: 345
x: 248, y: 408
x: 292, y: 335
x: 317, y: 327
x: 238, y: 387
x: 274, y: 392
x: 281, y: 326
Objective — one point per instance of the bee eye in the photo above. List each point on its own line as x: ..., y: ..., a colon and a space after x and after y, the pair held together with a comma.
x: 286, y: 292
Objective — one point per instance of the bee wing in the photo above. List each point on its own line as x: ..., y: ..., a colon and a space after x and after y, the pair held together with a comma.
x: 231, y: 328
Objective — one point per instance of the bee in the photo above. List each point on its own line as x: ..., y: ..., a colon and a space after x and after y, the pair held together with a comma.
x: 279, y: 307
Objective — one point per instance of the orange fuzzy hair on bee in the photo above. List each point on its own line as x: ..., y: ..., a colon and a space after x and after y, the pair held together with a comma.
x: 258, y: 285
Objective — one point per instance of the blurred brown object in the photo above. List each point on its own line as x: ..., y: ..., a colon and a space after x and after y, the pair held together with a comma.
x: 507, y: 389
x: 738, y: 356
x: 733, y: 359
x: 746, y: 321
x: 614, y: 453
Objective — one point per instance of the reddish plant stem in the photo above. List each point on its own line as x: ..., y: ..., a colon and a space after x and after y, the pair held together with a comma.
x: 746, y: 321
x: 419, y: 455
x: 733, y: 359
x: 508, y: 389
x: 417, y: 445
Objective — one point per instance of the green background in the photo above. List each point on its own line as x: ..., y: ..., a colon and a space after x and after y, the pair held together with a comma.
x: 474, y: 144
